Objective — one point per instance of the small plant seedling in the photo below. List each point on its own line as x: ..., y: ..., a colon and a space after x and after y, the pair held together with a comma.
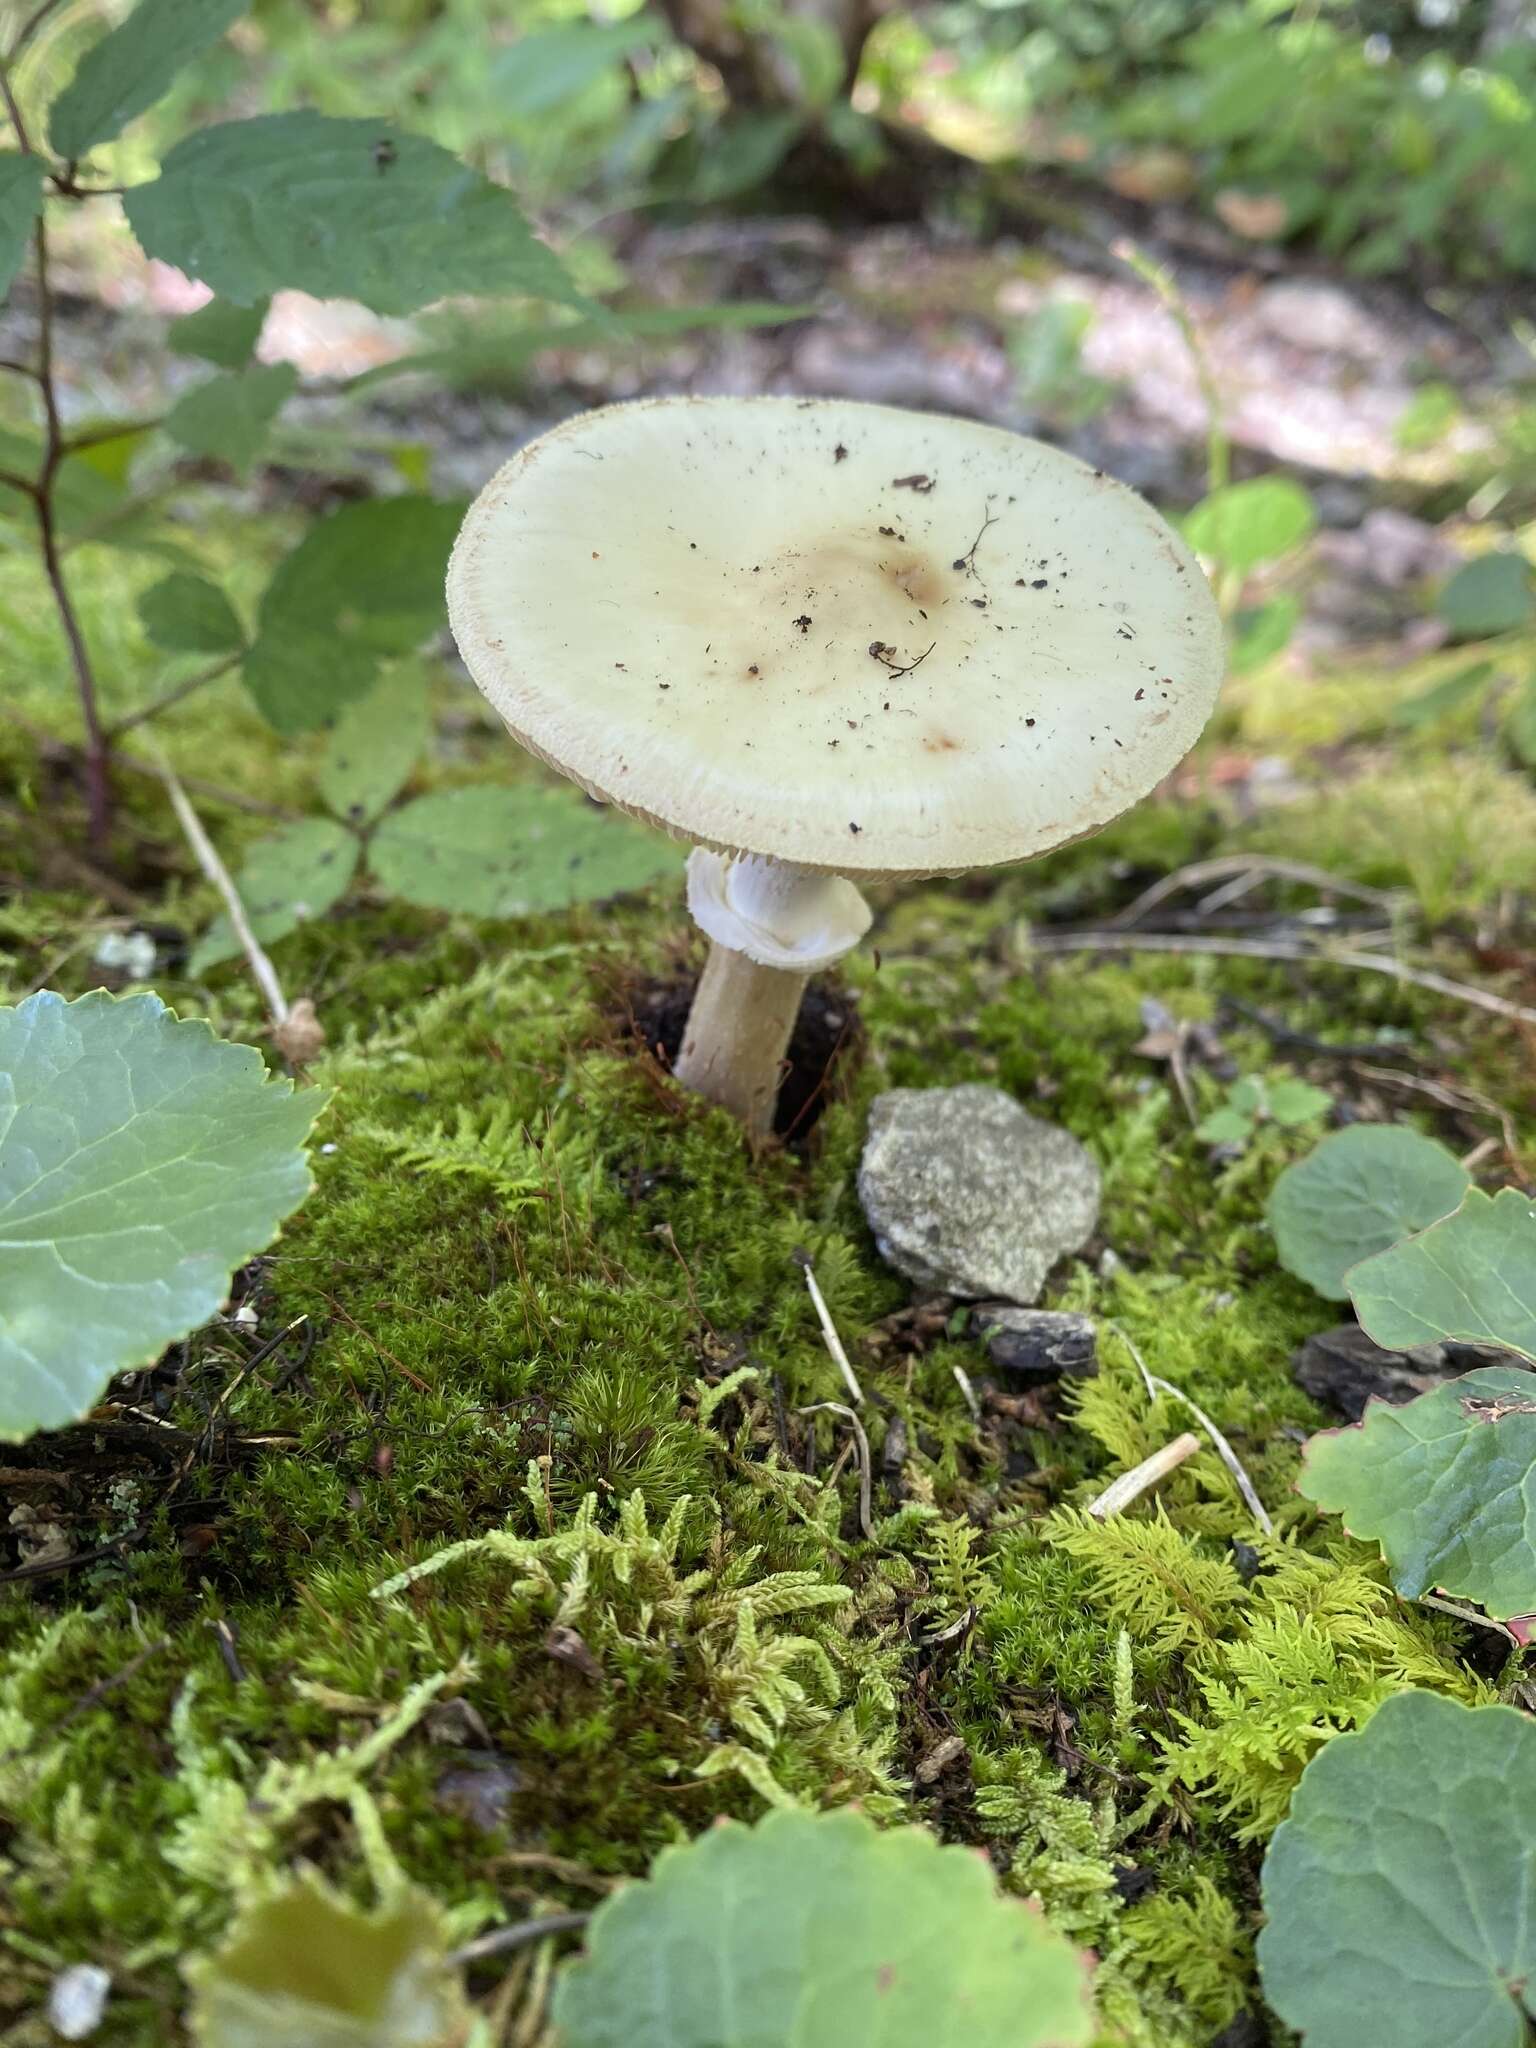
x: 1397, y: 1892
x: 1446, y: 1484
x: 822, y: 1931
x: 144, y: 1160
x: 1256, y: 1100
x: 1363, y: 1190
x: 836, y: 649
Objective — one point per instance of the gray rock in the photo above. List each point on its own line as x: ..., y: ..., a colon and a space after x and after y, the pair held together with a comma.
x: 1343, y: 1369
x: 1035, y: 1345
x: 969, y: 1195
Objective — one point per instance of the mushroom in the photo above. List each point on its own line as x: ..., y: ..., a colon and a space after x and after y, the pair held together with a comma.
x: 827, y: 642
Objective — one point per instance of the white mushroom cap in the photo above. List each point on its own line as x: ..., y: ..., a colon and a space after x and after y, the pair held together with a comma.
x: 856, y: 639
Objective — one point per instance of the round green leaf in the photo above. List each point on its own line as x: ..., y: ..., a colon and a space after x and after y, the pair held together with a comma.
x: 128, y: 70
x: 187, y: 614
x: 1491, y: 595
x: 1470, y: 1276
x: 1362, y: 1190
x: 375, y: 744
x: 819, y: 1931
x: 306, y: 1969
x: 1397, y: 1892
x: 286, y: 880
x: 1241, y: 525
x: 342, y: 209
x: 505, y: 852
x: 141, y: 1160
x: 1445, y: 1484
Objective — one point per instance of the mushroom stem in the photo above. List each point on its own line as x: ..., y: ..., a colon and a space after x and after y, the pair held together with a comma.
x: 737, y: 1035
x: 772, y: 926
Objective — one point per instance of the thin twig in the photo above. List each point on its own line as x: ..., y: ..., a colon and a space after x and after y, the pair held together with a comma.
x: 963, y: 1382
x: 1218, y: 447
x: 1130, y: 1486
x: 829, y: 1329
x: 866, y: 1470
x: 1243, y: 866
x: 1224, y: 1450
x: 503, y: 1941
x: 167, y: 698
x: 30, y: 27
x: 1110, y: 940
x: 208, y: 860
x: 1468, y: 1614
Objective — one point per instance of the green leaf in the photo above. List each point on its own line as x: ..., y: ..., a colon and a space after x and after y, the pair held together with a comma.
x: 550, y: 65
x: 1291, y: 1102
x: 364, y: 583
x: 1224, y: 1127
x: 818, y: 1929
x: 305, y: 1969
x: 1397, y: 1891
x: 287, y: 879
x: 1364, y: 1189
x: 1445, y: 696
x: 186, y: 614
x: 220, y: 333
x: 1446, y: 1484
x: 1241, y: 525
x: 228, y: 417
x: 1520, y: 725
x: 21, y: 201
x: 1263, y: 633
x: 375, y: 745
x: 342, y: 209
x: 1470, y: 1276
x: 1491, y: 595
x: 741, y: 153
x: 1429, y: 415
x: 141, y: 1161
x: 507, y: 852
x: 132, y: 67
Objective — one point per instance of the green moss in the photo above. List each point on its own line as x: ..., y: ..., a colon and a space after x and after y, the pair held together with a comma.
x: 554, y: 1306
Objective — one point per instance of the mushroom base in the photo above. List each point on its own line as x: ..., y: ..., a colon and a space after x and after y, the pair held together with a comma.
x: 737, y: 1035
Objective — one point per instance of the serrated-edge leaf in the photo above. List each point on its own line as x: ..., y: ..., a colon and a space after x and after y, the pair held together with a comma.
x: 1446, y: 1484
x: 227, y: 417
x: 132, y: 66
x: 823, y: 1929
x: 1471, y: 1276
x: 375, y: 744
x: 286, y: 879
x: 142, y: 1159
x: 341, y: 209
x: 1361, y: 1191
x: 1396, y: 1892
x: 219, y: 333
x: 188, y: 614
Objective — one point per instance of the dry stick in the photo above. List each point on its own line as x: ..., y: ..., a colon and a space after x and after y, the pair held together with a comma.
x: 829, y: 1329
x: 963, y: 1382
x: 208, y: 860
x: 1468, y: 1614
x: 1109, y: 940
x: 865, y: 1468
x: 1218, y: 446
x: 1224, y: 1450
x: 1116, y: 1498
x: 1243, y: 866
x: 503, y: 1940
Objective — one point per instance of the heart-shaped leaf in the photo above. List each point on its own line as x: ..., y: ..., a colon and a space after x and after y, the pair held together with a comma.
x: 820, y: 1931
x: 1363, y: 1189
x: 1470, y: 1276
x: 141, y: 1160
x: 1398, y: 1891
x: 506, y: 852
x: 1446, y: 1484
x: 1244, y: 524
x: 1494, y: 594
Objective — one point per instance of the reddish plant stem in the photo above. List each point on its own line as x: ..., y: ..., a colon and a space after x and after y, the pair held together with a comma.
x: 98, y: 786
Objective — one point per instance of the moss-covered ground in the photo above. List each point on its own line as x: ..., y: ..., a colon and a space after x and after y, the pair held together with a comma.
x: 535, y: 1290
